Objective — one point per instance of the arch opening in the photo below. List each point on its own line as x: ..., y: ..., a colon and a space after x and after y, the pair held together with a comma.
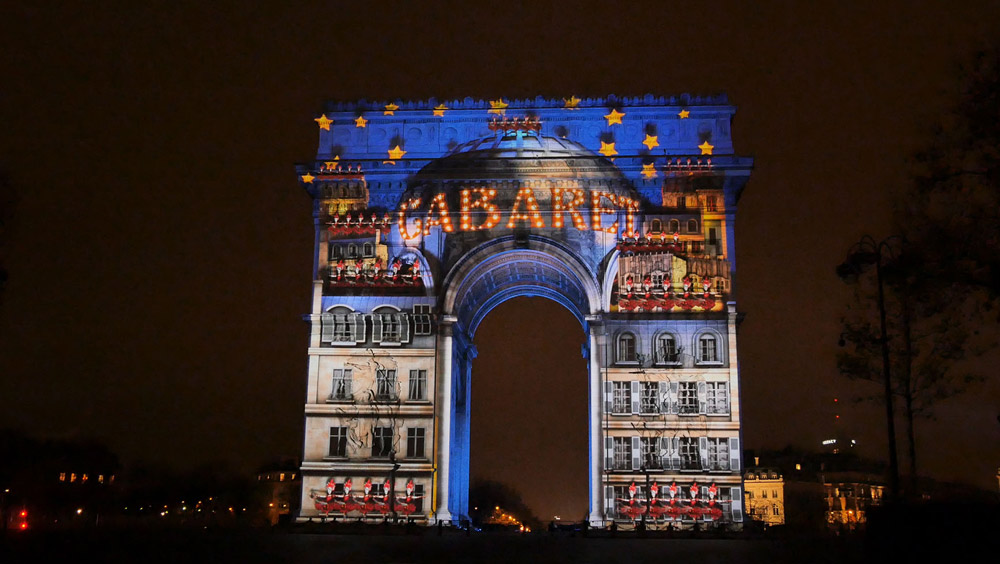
x: 529, y: 400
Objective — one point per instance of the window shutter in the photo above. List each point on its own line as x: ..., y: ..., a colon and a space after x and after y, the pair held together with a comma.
x: 673, y: 397
x: 702, y: 398
x: 609, y: 502
x: 404, y: 328
x: 338, y: 378
x: 724, y: 395
x: 636, y: 453
x: 737, y: 497
x: 412, y: 386
x: 609, y: 453
x: 376, y: 328
x: 635, y: 396
x: 665, y: 452
x: 734, y: 454
x: 704, y: 497
x: 609, y: 396
x: 348, y: 382
x: 663, y: 397
x: 703, y: 451
x: 359, y: 328
x: 326, y: 328
x: 675, y: 453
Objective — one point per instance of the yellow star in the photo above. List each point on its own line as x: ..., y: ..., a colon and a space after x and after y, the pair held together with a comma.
x: 498, y: 107
x: 396, y: 153
x: 572, y: 103
x: 324, y: 122
x: 608, y: 149
x: 615, y: 117
x: 308, y: 178
x: 390, y: 109
x: 684, y: 114
x: 360, y: 122
x: 651, y: 141
x: 439, y: 110
x: 649, y: 170
x: 706, y: 148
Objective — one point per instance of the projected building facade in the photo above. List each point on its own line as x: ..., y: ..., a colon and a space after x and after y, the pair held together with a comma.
x: 428, y: 215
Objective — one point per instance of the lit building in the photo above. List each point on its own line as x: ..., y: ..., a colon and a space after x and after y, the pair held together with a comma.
x: 428, y: 215
x: 765, y: 494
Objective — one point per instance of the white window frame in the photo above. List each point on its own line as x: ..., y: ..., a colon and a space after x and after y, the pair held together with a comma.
x: 687, y: 398
x: 343, y: 385
x: 717, y: 398
x: 416, y: 442
x: 621, y: 402
x: 341, y: 447
x: 622, y: 453
x: 662, y: 356
x: 417, y: 386
x: 623, y: 356
x: 385, y: 385
x: 422, y: 319
x: 649, y: 398
x: 718, y: 454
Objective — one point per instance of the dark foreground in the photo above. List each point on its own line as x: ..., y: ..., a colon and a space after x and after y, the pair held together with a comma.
x: 252, y: 546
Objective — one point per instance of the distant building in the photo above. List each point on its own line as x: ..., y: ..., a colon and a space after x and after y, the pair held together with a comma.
x: 281, y: 488
x: 765, y: 494
x: 849, y: 496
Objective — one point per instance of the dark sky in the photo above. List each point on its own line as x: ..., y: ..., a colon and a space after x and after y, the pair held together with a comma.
x: 161, y: 252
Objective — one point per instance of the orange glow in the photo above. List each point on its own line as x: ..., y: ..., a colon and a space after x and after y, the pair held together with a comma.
x: 526, y: 197
x: 615, y: 117
x: 560, y: 206
x: 443, y: 219
x: 324, y: 122
x: 418, y: 224
x: 597, y: 210
x: 485, y: 203
x: 360, y: 122
x: 706, y: 148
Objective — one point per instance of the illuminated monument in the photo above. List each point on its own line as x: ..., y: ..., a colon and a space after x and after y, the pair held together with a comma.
x: 428, y: 215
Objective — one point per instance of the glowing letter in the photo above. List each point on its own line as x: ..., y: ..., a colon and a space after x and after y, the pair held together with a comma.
x: 532, y: 214
x: 443, y: 217
x: 485, y: 202
x: 559, y: 207
x: 413, y: 203
x: 596, y: 210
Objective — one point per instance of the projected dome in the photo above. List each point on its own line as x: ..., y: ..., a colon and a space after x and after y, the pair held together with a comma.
x: 510, y: 160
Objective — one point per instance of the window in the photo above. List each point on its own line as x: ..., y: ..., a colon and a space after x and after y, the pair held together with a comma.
x: 418, y: 498
x: 692, y: 226
x: 774, y: 494
x: 342, y: 326
x: 763, y: 494
x: 656, y: 226
x: 649, y: 397
x: 418, y: 385
x: 651, y: 452
x: 352, y: 250
x: 775, y: 509
x: 422, y: 319
x: 717, y: 397
x: 666, y: 349
x: 626, y: 347
x: 711, y: 203
x: 338, y: 441
x: 385, y: 385
x: 690, y: 457
x: 687, y: 397
x: 415, y: 442
x: 708, y: 349
x: 390, y: 327
x: 622, y: 400
x: 718, y: 454
x: 675, y: 225
x: 342, y: 384
x: 381, y: 442
x: 369, y: 250
x: 622, y: 453
x: 336, y: 251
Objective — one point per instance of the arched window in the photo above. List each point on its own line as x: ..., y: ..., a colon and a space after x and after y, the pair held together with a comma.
x: 338, y: 251
x: 708, y: 348
x: 390, y: 326
x: 666, y: 350
x: 352, y: 250
x: 656, y: 226
x: 675, y: 226
x: 369, y: 249
x: 626, y: 348
x: 692, y: 226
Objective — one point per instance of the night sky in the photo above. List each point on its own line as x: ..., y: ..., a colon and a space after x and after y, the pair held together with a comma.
x: 161, y: 248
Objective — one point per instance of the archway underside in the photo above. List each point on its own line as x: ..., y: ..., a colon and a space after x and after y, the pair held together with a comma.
x: 516, y: 273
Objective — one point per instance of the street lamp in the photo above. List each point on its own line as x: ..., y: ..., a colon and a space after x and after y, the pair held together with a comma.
x: 861, y: 256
